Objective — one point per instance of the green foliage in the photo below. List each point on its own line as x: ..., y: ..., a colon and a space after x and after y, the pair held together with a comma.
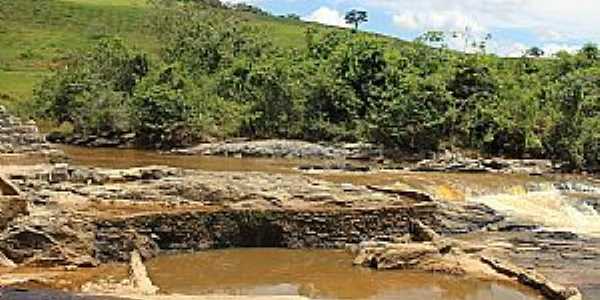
x: 250, y: 8
x: 577, y: 134
x: 160, y: 111
x: 205, y: 43
x: 92, y: 91
x: 417, y: 115
x: 222, y: 72
x: 534, y: 52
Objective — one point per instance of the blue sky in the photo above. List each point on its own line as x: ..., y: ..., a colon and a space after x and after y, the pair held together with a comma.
x: 514, y: 24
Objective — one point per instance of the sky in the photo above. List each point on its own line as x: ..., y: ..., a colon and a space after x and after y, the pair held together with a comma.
x: 515, y: 25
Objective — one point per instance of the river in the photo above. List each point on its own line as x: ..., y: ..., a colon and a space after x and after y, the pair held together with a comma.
x: 329, y: 274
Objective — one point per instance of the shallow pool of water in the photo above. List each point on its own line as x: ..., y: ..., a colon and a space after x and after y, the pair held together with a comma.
x: 318, y: 274
x: 129, y: 158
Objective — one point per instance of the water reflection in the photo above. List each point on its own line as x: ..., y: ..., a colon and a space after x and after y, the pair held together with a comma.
x: 316, y: 274
x: 129, y: 158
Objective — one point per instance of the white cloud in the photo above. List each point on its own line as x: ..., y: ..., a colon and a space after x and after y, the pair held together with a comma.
x: 516, y: 25
x: 451, y: 20
x: 407, y: 21
x: 553, y: 48
x: 553, y: 25
x: 509, y: 49
x: 328, y: 16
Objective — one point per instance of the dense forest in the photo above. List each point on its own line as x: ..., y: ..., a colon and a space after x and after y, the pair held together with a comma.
x: 217, y: 76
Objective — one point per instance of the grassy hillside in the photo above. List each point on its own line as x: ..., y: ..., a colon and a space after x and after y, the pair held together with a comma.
x: 36, y: 36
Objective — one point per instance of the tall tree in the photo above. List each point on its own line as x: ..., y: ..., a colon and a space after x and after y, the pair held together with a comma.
x: 534, y: 52
x: 356, y: 17
x: 590, y: 51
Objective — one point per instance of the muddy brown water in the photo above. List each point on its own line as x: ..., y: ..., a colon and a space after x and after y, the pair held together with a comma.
x: 129, y: 158
x: 317, y: 274
x: 449, y: 186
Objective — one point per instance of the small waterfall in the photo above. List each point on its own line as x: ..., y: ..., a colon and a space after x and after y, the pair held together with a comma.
x: 548, y: 207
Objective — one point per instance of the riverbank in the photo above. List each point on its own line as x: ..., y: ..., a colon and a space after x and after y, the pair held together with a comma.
x: 73, y: 220
x: 99, y: 215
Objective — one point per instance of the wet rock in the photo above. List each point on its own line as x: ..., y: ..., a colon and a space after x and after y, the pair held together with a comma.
x: 20, y: 137
x: 9, y: 293
x: 55, y: 137
x: 576, y: 187
x: 335, y: 167
x: 48, y: 240
x: 455, y: 258
x: 557, y: 235
x: 416, y: 195
x: 104, y: 142
x: 23, y: 243
x: 6, y: 262
x: 59, y: 173
x: 534, y: 280
x: 458, y: 219
x: 509, y: 226
x: 455, y: 162
x: 139, y: 275
x: 267, y: 148
x: 421, y: 233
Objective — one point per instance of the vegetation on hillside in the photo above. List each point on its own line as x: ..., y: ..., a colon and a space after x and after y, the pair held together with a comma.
x: 218, y: 75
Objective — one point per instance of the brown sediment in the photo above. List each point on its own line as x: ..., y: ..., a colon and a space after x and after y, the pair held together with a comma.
x: 60, y: 277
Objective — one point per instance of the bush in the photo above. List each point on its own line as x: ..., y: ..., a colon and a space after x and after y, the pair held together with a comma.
x: 576, y: 136
x: 160, y: 111
x: 92, y: 91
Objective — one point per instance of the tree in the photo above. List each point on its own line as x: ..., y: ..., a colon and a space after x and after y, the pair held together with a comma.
x: 92, y: 91
x: 160, y: 110
x: 356, y: 17
x: 590, y: 51
x: 534, y: 52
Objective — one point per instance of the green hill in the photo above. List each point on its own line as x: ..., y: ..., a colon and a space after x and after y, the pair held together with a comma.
x: 36, y: 36
x: 180, y: 72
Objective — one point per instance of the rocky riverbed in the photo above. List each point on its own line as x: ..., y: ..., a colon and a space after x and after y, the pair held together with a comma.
x: 352, y: 157
x: 81, y: 217
x: 64, y: 226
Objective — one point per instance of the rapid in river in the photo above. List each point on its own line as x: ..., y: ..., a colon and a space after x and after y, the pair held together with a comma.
x: 550, y: 208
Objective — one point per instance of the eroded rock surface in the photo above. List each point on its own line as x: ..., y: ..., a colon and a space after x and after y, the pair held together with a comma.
x: 19, y: 137
x: 286, y: 148
x: 455, y: 162
x: 78, y: 217
x: 431, y: 253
